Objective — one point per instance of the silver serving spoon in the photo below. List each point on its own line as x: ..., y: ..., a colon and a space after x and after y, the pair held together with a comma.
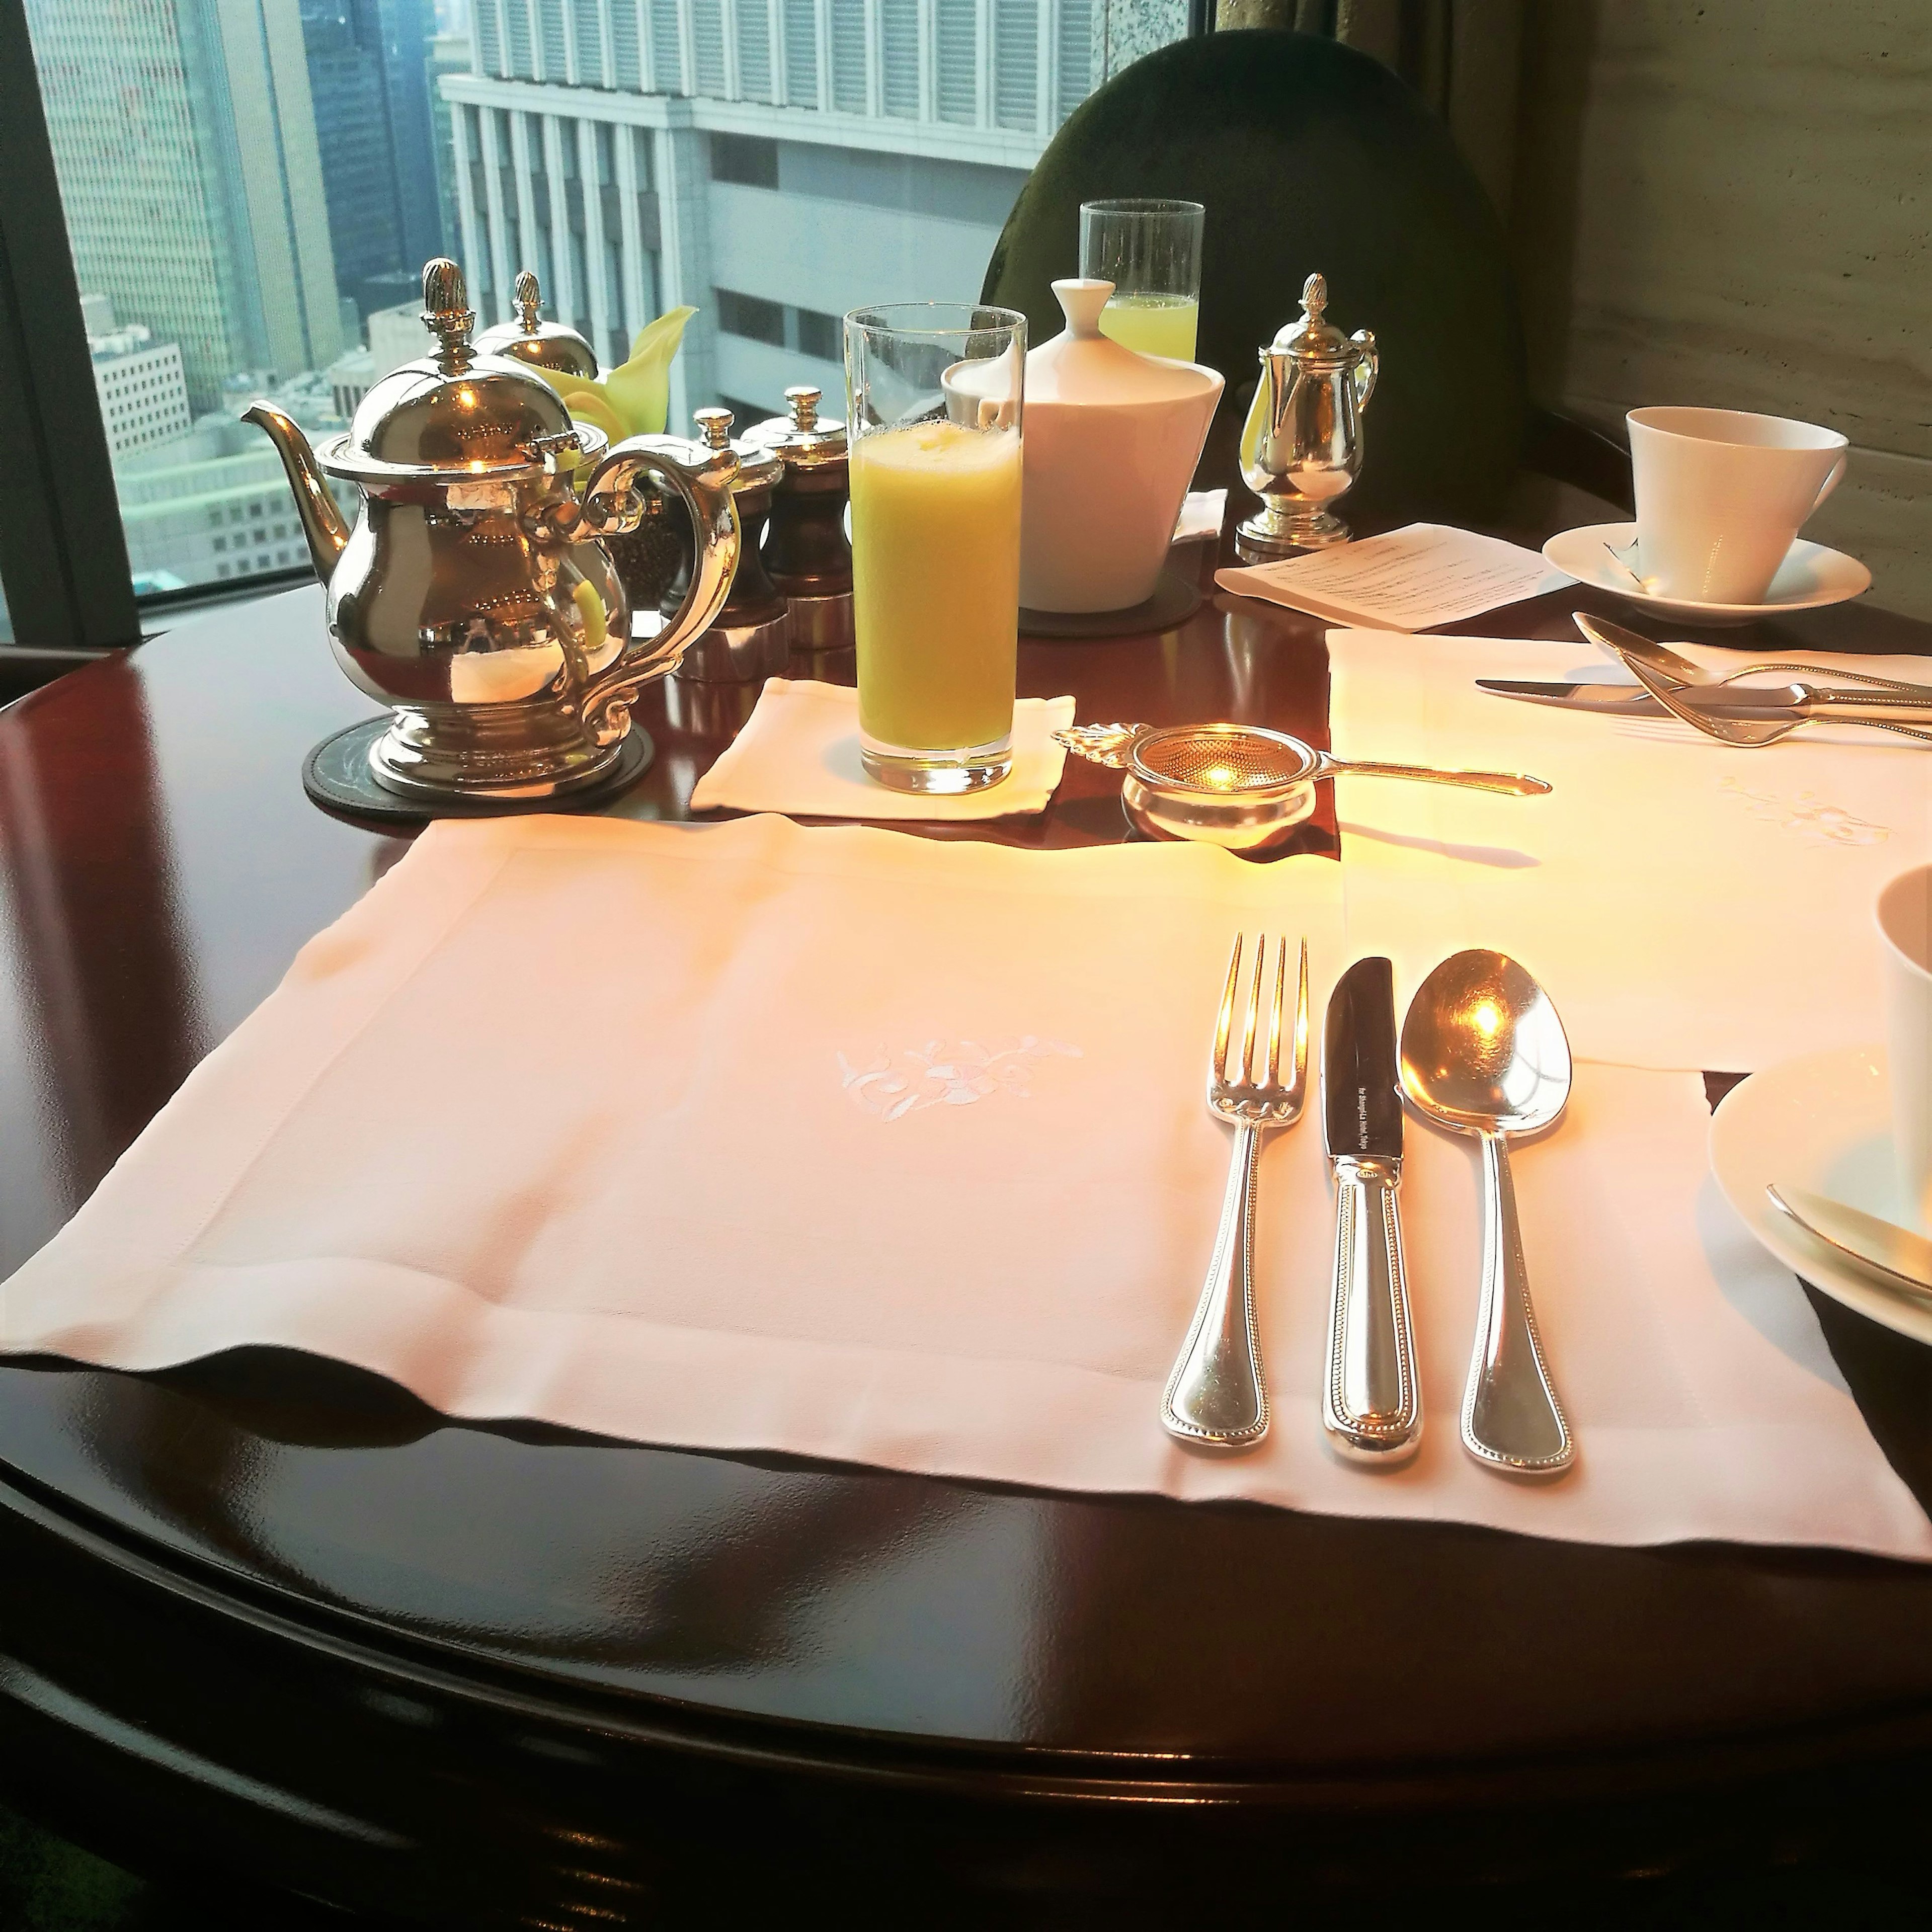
x: 1484, y: 1053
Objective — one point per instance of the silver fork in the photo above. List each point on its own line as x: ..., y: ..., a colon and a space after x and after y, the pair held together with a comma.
x: 1217, y: 1396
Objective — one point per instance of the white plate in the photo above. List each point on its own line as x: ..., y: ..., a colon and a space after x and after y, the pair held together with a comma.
x: 1823, y: 1122
x: 1810, y: 576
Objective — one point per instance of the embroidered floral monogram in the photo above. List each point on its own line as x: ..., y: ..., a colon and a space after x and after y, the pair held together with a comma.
x: 945, y: 1073
x: 1808, y: 816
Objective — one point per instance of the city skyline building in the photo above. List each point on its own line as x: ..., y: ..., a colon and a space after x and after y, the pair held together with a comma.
x: 138, y: 381
x: 184, y: 144
x: 448, y: 54
x: 772, y: 163
x: 369, y: 71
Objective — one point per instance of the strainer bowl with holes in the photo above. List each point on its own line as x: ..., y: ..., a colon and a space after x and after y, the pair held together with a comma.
x: 1240, y: 786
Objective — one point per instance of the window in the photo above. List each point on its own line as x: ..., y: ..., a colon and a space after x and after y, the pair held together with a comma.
x: 249, y: 213
x: 745, y: 159
x: 751, y: 316
x: 819, y: 335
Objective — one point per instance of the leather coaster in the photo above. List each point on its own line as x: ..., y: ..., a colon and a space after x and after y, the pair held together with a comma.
x: 1173, y: 602
x: 336, y: 775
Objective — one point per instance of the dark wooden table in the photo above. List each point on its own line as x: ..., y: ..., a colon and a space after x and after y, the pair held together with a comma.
x: 265, y: 1610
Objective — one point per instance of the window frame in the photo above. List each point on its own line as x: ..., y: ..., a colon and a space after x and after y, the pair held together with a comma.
x: 63, y: 564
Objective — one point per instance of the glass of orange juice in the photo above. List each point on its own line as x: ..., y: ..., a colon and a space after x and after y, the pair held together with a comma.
x: 1150, y: 251
x: 934, y: 391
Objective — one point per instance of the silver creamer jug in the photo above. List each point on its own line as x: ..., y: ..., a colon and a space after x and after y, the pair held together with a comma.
x: 1301, y: 447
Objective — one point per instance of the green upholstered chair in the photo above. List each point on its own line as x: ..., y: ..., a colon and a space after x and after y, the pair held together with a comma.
x: 1310, y: 155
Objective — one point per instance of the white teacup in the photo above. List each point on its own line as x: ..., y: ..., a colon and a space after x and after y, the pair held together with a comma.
x: 1720, y: 495
x: 1905, y: 934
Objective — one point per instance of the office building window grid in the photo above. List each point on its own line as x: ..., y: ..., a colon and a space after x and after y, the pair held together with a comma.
x: 916, y: 60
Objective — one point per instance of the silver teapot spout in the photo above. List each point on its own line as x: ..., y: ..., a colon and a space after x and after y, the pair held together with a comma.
x: 322, y: 522
x: 1301, y: 447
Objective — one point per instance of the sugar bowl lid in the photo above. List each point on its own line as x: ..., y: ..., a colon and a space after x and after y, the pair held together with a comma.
x: 1315, y: 340
x: 455, y: 416
x: 1083, y: 367
x: 547, y: 345
x: 799, y: 440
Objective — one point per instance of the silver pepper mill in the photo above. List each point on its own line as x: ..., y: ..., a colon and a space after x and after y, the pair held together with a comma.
x: 1301, y: 447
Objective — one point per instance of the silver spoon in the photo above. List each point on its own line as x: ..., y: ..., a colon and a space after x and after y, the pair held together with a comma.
x: 1666, y: 675
x: 1621, y: 641
x: 1484, y: 1053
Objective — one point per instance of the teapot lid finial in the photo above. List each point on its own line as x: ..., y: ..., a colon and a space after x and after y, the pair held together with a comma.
x: 529, y: 301
x: 1312, y: 336
x: 447, y: 314
x: 803, y: 399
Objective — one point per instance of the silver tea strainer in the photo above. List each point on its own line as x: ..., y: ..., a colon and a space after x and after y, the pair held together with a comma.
x: 1240, y: 786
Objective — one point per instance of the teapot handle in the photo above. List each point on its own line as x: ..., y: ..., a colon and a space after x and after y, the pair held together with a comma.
x: 611, y: 508
x: 1364, y: 340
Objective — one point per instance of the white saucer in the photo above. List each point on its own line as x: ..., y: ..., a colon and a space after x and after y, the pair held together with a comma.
x: 1824, y: 1123
x: 1810, y: 576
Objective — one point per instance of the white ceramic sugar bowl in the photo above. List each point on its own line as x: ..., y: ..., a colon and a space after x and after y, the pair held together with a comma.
x: 1111, y: 442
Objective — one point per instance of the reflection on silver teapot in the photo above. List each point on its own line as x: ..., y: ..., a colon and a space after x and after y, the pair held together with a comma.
x: 471, y: 594
x: 1301, y: 447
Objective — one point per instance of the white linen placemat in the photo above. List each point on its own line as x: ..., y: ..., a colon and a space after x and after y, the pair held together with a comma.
x: 799, y: 752
x: 1687, y: 904
x: 860, y: 1146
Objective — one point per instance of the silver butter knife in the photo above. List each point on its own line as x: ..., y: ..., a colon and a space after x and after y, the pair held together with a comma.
x: 1792, y: 700
x: 1372, y: 1402
x: 1903, y: 1259
x: 1728, y: 700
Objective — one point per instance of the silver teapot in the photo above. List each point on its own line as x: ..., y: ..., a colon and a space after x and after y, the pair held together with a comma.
x: 472, y: 596
x: 1301, y: 447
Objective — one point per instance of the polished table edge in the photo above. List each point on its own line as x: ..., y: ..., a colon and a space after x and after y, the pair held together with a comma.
x: 481, y: 1677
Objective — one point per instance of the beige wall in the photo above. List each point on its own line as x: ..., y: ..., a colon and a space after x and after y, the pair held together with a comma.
x: 1730, y: 203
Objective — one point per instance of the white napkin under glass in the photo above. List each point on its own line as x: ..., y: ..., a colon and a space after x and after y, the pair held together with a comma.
x: 799, y: 753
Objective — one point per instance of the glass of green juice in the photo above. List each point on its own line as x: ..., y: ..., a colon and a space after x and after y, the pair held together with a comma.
x: 933, y: 390
x: 1150, y: 251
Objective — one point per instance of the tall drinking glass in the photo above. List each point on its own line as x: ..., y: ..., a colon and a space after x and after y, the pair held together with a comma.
x: 933, y: 390
x: 1150, y: 251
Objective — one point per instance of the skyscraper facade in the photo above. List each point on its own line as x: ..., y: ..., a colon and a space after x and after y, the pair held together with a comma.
x: 185, y: 147
x: 369, y: 69
x: 773, y: 162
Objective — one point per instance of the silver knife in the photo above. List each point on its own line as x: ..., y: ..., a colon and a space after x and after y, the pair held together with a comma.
x: 1903, y: 1259
x: 1372, y: 1402
x: 1735, y: 700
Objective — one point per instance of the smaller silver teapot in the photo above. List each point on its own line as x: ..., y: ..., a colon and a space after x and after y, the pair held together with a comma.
x: 1301, y: 447
x: 528, y: 338
x: 472, y: 595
